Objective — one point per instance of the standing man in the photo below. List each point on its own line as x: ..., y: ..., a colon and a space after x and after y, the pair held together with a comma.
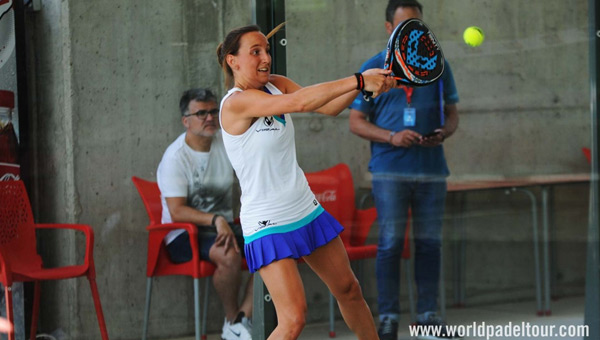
x: 195, y: 179
x: 407, y: 127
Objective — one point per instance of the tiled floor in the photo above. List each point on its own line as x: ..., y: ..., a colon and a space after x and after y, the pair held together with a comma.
x: 566, y: 311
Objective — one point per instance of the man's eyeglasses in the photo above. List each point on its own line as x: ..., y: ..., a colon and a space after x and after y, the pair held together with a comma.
x: 203, y: 113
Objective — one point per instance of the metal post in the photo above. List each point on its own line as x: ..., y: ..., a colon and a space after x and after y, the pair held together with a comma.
x: 536, y: 251
x: 546, y: 249
x: 263, y: 315
x: 592, y: 289
x: 197, y: 307
x: 268, y: 14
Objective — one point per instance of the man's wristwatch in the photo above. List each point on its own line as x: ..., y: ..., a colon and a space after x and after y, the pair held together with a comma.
x: 392, y: 133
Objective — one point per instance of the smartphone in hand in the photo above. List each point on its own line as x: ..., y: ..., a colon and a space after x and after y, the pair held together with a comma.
x: 431, y: 134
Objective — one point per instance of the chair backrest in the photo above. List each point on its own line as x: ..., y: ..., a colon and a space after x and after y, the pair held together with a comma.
x: 334, y: 189
x: 587, y: 152
x: 17, y: 228
x: 158, y: 262
x: 150, y: 194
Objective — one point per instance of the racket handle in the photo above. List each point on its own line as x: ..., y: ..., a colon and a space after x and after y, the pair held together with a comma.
x: 367, y: 95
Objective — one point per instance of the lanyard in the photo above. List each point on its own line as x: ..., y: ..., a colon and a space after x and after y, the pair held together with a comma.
x: 409, y: 93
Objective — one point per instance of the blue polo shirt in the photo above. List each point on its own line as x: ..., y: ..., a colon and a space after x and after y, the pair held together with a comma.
x: 387, y: 111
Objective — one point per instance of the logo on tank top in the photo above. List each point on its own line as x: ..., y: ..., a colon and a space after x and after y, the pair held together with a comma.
x: 264, y: 224
x: 269, y: 122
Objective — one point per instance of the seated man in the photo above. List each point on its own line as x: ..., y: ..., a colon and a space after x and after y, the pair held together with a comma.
x: 195, y: 179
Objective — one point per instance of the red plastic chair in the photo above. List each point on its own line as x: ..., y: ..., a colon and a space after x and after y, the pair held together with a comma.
x: 334, y: 189
x: 587, y: 153
x: 159, y: 263
x: 20, y: 262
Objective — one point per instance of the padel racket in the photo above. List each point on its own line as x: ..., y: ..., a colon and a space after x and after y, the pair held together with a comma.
x: 413, y: 54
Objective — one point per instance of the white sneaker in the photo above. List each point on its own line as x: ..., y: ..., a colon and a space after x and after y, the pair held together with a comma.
x: 235, y: 331
x: 248, y: 324
x: 226, y: 324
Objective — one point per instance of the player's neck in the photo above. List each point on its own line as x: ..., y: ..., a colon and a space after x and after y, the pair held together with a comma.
x: 198, y: 143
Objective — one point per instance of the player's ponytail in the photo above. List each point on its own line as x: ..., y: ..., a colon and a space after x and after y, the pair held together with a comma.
x: 224, y: 67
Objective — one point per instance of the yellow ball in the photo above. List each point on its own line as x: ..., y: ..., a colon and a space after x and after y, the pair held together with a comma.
x: 473, y: 36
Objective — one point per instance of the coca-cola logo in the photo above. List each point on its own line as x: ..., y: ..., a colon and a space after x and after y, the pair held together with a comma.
x: 326, y: 196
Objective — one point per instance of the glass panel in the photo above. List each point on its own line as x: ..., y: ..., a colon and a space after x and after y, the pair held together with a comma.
x: 515, y: 160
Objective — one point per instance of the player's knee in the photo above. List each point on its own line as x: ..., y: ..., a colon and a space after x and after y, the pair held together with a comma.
x: 349, y: 291
x: 294, y: 322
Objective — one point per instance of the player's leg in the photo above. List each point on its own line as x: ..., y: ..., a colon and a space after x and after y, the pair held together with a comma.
x: 331, y: 263
x: 285, y: 287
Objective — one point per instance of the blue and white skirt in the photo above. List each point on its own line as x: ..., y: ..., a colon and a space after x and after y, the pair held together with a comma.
x: 292, y: 243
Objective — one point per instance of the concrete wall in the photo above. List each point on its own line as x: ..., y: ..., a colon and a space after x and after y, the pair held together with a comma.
x: 106, y: 78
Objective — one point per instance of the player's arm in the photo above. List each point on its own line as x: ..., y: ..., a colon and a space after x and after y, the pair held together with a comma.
x: 360, y: 126
x: 334, y: 107
x: 253, y: 103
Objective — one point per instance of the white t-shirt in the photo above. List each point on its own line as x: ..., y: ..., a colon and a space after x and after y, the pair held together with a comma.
x: 205, y: 178
x: 275, y: 193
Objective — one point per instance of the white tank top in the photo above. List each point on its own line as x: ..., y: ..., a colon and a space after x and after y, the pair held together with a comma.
x: 275, y: 194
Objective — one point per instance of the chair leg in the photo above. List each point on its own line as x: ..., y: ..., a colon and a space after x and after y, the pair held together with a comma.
x: 197, y: 307
x: 147, y: 308
x: 331, y: 316
x: 9, y: 310
x: 36, y: 309
x: 205, y: 307
x: 98, y: 306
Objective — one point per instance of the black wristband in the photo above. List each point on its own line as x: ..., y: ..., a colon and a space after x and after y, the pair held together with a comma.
x: 360, y: 81
x: 214, y: 219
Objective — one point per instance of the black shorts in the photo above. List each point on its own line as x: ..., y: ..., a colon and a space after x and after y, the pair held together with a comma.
x: 180, y: 250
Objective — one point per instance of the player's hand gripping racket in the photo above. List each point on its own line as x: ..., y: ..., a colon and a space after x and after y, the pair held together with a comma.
x: 413, y: 54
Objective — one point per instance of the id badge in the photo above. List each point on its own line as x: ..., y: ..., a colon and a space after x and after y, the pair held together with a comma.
x: 410, y: 116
